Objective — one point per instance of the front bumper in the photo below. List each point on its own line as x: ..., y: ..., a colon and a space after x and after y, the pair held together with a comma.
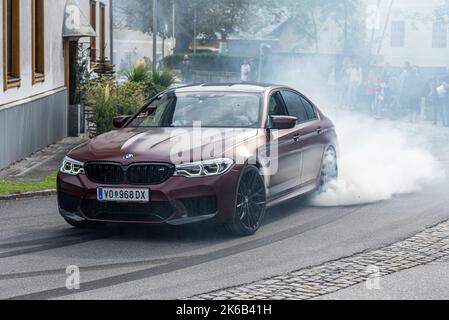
x: 177, y: 201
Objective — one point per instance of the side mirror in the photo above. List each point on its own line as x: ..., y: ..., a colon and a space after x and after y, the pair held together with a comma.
x: 120, y: 121
x: 282, y: 122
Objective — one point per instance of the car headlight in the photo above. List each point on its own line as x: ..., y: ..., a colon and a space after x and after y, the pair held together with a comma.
x: 72, y: 167
x: 206, y: 168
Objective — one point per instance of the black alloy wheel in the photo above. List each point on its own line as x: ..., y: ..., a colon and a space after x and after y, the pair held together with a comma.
x: 251, y: 203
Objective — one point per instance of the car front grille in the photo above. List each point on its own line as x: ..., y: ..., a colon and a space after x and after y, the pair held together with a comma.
x: 127, y: 212
x: 104, y: 172
x: 149, y: 173
x: 140, y: 174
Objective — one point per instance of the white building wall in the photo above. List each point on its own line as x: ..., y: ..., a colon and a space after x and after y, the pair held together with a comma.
x: 54, y: 58
x: 85, y: 8
x: 54, y: 48
x: 133, y: 46
x: 418, y: 16
x: 34, y: 116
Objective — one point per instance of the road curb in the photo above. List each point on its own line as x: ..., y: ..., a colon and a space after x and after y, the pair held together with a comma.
x: 27, y: 195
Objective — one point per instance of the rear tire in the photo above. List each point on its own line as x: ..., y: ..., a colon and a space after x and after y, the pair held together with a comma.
x: 251, y: 204
x: 329, y: 169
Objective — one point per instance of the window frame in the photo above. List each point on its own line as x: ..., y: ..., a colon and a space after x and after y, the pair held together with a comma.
x: 16, y: 62
x: 394, y: 32
x: 38, y: 63
x: 439, y: 41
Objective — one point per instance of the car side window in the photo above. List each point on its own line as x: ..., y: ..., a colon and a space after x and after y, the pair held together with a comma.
x: 295, y: 106
x: 275, y: 108
x: 310, y: 109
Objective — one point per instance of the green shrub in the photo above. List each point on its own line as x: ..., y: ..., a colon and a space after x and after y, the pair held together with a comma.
x: 139, y: 73
x: 129, y: 98
x: 109, y: 99
x: 158, y: 81
x: 208, y: 62
x: 153, y: 81
x: 164, y: 78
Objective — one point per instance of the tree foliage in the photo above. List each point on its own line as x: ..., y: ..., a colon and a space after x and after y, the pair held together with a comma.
x: 310, y: 17
x: 213, y: 17
x: 220, y: 18
x: 442, y: 11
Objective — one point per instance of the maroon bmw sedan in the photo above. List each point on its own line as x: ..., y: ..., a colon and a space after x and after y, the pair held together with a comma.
x: 221, y: 152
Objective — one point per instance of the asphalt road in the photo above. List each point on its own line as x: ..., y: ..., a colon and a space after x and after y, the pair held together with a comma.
x: 36, y: 246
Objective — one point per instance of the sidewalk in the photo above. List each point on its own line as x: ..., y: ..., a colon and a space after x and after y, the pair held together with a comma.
x: 41, y: 164
x: 427, y: 282
x: 414, y: 268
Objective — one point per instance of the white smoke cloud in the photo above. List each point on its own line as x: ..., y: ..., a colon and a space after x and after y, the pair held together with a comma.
x: 378, y: 160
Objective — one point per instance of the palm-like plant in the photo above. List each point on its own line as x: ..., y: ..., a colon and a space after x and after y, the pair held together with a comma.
x: 139, y: 73
x: 164, y: 78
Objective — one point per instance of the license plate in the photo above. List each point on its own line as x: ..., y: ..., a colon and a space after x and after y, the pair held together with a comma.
x: 123, y: 195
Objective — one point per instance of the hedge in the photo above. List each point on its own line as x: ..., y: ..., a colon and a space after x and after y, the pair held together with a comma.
x: 207, y: 62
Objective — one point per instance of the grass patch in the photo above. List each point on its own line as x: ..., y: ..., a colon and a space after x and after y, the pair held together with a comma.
x: 15, y: 187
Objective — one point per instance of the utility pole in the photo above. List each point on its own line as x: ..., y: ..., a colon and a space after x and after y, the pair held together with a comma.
x: 262, y: 52
x: 194, y: 29
x: 174, y: 26
x: 154, y: 33
x: 381, y: 42
x: 111, y: 29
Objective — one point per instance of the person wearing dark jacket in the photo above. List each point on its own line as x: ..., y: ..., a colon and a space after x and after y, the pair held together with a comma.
x: 186, y: 70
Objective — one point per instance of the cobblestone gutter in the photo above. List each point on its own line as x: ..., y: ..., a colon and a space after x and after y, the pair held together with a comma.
x: 423, y: 248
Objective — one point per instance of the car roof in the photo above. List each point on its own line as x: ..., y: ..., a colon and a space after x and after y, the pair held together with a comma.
x: 228, y: 87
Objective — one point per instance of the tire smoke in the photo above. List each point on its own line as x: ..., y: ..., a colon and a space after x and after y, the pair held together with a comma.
x: 378, y: 160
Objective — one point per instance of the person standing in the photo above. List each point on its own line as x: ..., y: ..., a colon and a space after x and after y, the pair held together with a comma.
x: 245, y: 71
x: 442, y: 98
x: 371, y: 90
x: 435, y: 102
x: 414, y: 96
x: 355, y: 80
x: 253, y: 74
x: 445, y: 104
x: 332, y: 85
x: 446, y: 99
x: 186, y: 70
x: 406, y: 86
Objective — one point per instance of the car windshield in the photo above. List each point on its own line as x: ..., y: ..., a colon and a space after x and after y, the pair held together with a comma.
x: 211, y: 109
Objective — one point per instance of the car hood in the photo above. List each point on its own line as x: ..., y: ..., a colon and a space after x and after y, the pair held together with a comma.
x: 172, y: 145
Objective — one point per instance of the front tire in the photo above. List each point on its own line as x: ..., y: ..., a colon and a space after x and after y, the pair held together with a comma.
x: 251, y: 204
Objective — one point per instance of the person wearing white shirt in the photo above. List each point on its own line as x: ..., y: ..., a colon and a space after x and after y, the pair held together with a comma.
x: 245, y: 71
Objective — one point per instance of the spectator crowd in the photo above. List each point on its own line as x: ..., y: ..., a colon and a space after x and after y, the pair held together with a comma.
x: 395, y: 93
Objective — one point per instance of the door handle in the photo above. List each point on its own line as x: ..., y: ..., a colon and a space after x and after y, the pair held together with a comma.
x: 319, y: 130
x: 297, y: 137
